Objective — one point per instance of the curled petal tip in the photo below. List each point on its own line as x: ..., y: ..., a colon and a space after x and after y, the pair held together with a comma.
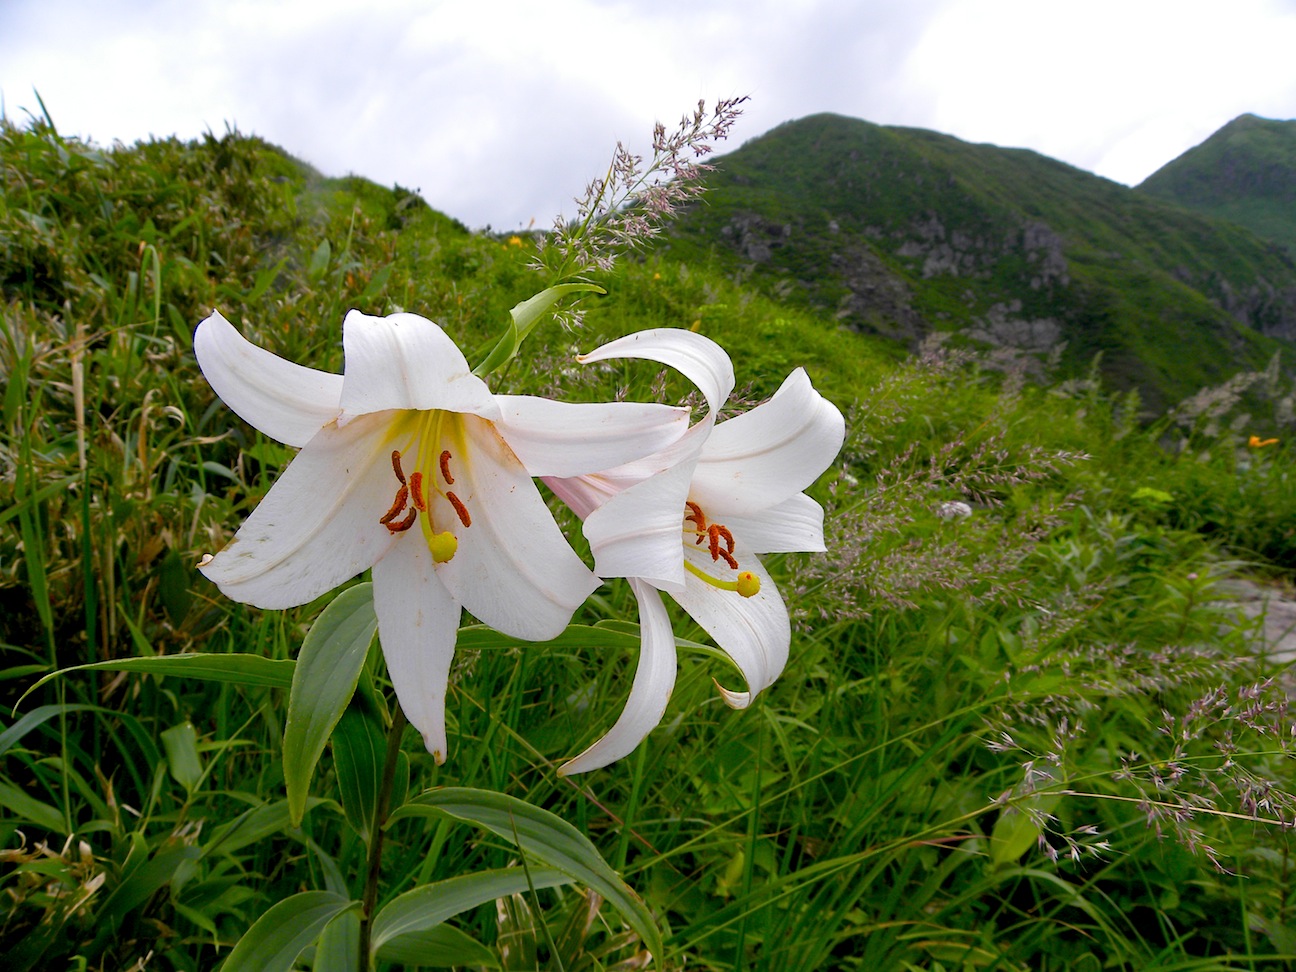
x: 204, y: 560
x: 735, y: 700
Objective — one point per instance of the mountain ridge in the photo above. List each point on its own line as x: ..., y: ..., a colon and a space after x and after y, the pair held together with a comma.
x: 902, y: 232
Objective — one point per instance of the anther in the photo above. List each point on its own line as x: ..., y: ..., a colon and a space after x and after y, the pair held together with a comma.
x: 416, y: 491
x: 462, y: 510
x: 718, y: 532
x: 697, y: 516
x: 445, y: 468
x: 402, y: 497
x: 396, y: 467
x: 406, y: 523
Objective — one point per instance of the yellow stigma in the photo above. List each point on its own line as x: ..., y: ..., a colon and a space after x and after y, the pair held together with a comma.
x: 747, y: 584
x: 444, y: 545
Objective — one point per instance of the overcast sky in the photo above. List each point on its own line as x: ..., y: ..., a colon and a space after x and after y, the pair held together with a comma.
x: 500, y: 111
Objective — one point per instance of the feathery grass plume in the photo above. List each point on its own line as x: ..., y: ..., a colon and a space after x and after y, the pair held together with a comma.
x: 890, y: 542
x: 1204, y: 414
x: 1217, y: 755
x: 626, y: 207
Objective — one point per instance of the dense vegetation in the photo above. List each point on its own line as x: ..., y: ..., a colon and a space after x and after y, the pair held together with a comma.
x: 904, y: 232
x: 1037, y: 736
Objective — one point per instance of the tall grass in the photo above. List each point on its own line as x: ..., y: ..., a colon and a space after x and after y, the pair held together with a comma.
x: 1031, y: 737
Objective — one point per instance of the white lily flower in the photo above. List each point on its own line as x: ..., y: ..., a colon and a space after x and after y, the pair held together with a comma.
x: 411, y: 466
x: 690, y: 520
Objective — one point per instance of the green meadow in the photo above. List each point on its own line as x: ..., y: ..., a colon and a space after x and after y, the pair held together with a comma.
x: 1039, y: 736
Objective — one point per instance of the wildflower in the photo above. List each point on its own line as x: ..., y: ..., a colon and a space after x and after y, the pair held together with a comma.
x: 1255, y: 442
x: 411, y: 466
x: 690, y: 520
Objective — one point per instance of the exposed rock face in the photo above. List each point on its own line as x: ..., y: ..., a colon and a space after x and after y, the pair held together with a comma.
x: 1269, y: 310
x: 755, y: 237
x: 1003, y: 327
x: 1044, y: 251
x: 878, y: 301
x: 943, y: 253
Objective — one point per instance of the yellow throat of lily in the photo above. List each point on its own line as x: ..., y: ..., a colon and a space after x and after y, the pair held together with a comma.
x: 415, y: 493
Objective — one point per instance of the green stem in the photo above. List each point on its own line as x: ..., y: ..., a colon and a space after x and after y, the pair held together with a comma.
x: 394, y: 735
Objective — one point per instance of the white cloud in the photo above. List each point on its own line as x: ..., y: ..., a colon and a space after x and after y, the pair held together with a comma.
x: 499, y: 111
x: 1113, y: 86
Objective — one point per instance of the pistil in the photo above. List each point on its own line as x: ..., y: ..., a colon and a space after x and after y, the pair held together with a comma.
x: 745, y: 584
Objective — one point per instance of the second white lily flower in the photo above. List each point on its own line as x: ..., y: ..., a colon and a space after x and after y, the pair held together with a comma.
x: 690, y: 519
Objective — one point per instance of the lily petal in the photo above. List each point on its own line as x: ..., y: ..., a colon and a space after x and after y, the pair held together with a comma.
x: 697, y: 358
x: 754, y: 631
x: 770, y: 453
x: 563, y: 439
x: 404, y: 361
x: 638, y: 532
x: 796, y: 524
x: 653, y: 682
x: 514, y: 570
x: 318, y: 526
x: 418, y: 622
x: 285, y: 401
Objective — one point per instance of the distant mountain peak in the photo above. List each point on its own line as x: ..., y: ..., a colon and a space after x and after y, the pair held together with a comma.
x: 1245, y: 172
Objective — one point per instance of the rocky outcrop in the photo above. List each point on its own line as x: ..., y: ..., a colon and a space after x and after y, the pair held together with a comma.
x: 756, y: 238
x: 1004, y: 327
x: 1043, y: 249
x: 1267, y: 309
x: 878, y: 300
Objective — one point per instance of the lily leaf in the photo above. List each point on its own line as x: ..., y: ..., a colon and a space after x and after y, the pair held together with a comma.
x: 359, y: 746
x: 241, y: 669
x: 284, y: 932
x: 328, y: 667
x: 440, y: 947
x: 426, y: 907
x: 338, y: 948
x: 544, y: 836
x: 524, y: 318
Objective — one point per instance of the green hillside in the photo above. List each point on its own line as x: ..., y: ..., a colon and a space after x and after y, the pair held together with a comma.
x: 901, y: 232
x: 1245, y: 173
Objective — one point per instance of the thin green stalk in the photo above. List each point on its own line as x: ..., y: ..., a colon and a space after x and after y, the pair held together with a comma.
x: 376, y: 834
x: 753, y: 831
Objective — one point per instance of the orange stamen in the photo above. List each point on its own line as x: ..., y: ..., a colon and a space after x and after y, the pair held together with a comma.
x: 416, y: 491
x: 396, y: 467
x: 406, y: 523
x: 718, y: 532
x: 445, y: 468
x: 402, y: 497
x: 462, y: 510
x: 697, y: 516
